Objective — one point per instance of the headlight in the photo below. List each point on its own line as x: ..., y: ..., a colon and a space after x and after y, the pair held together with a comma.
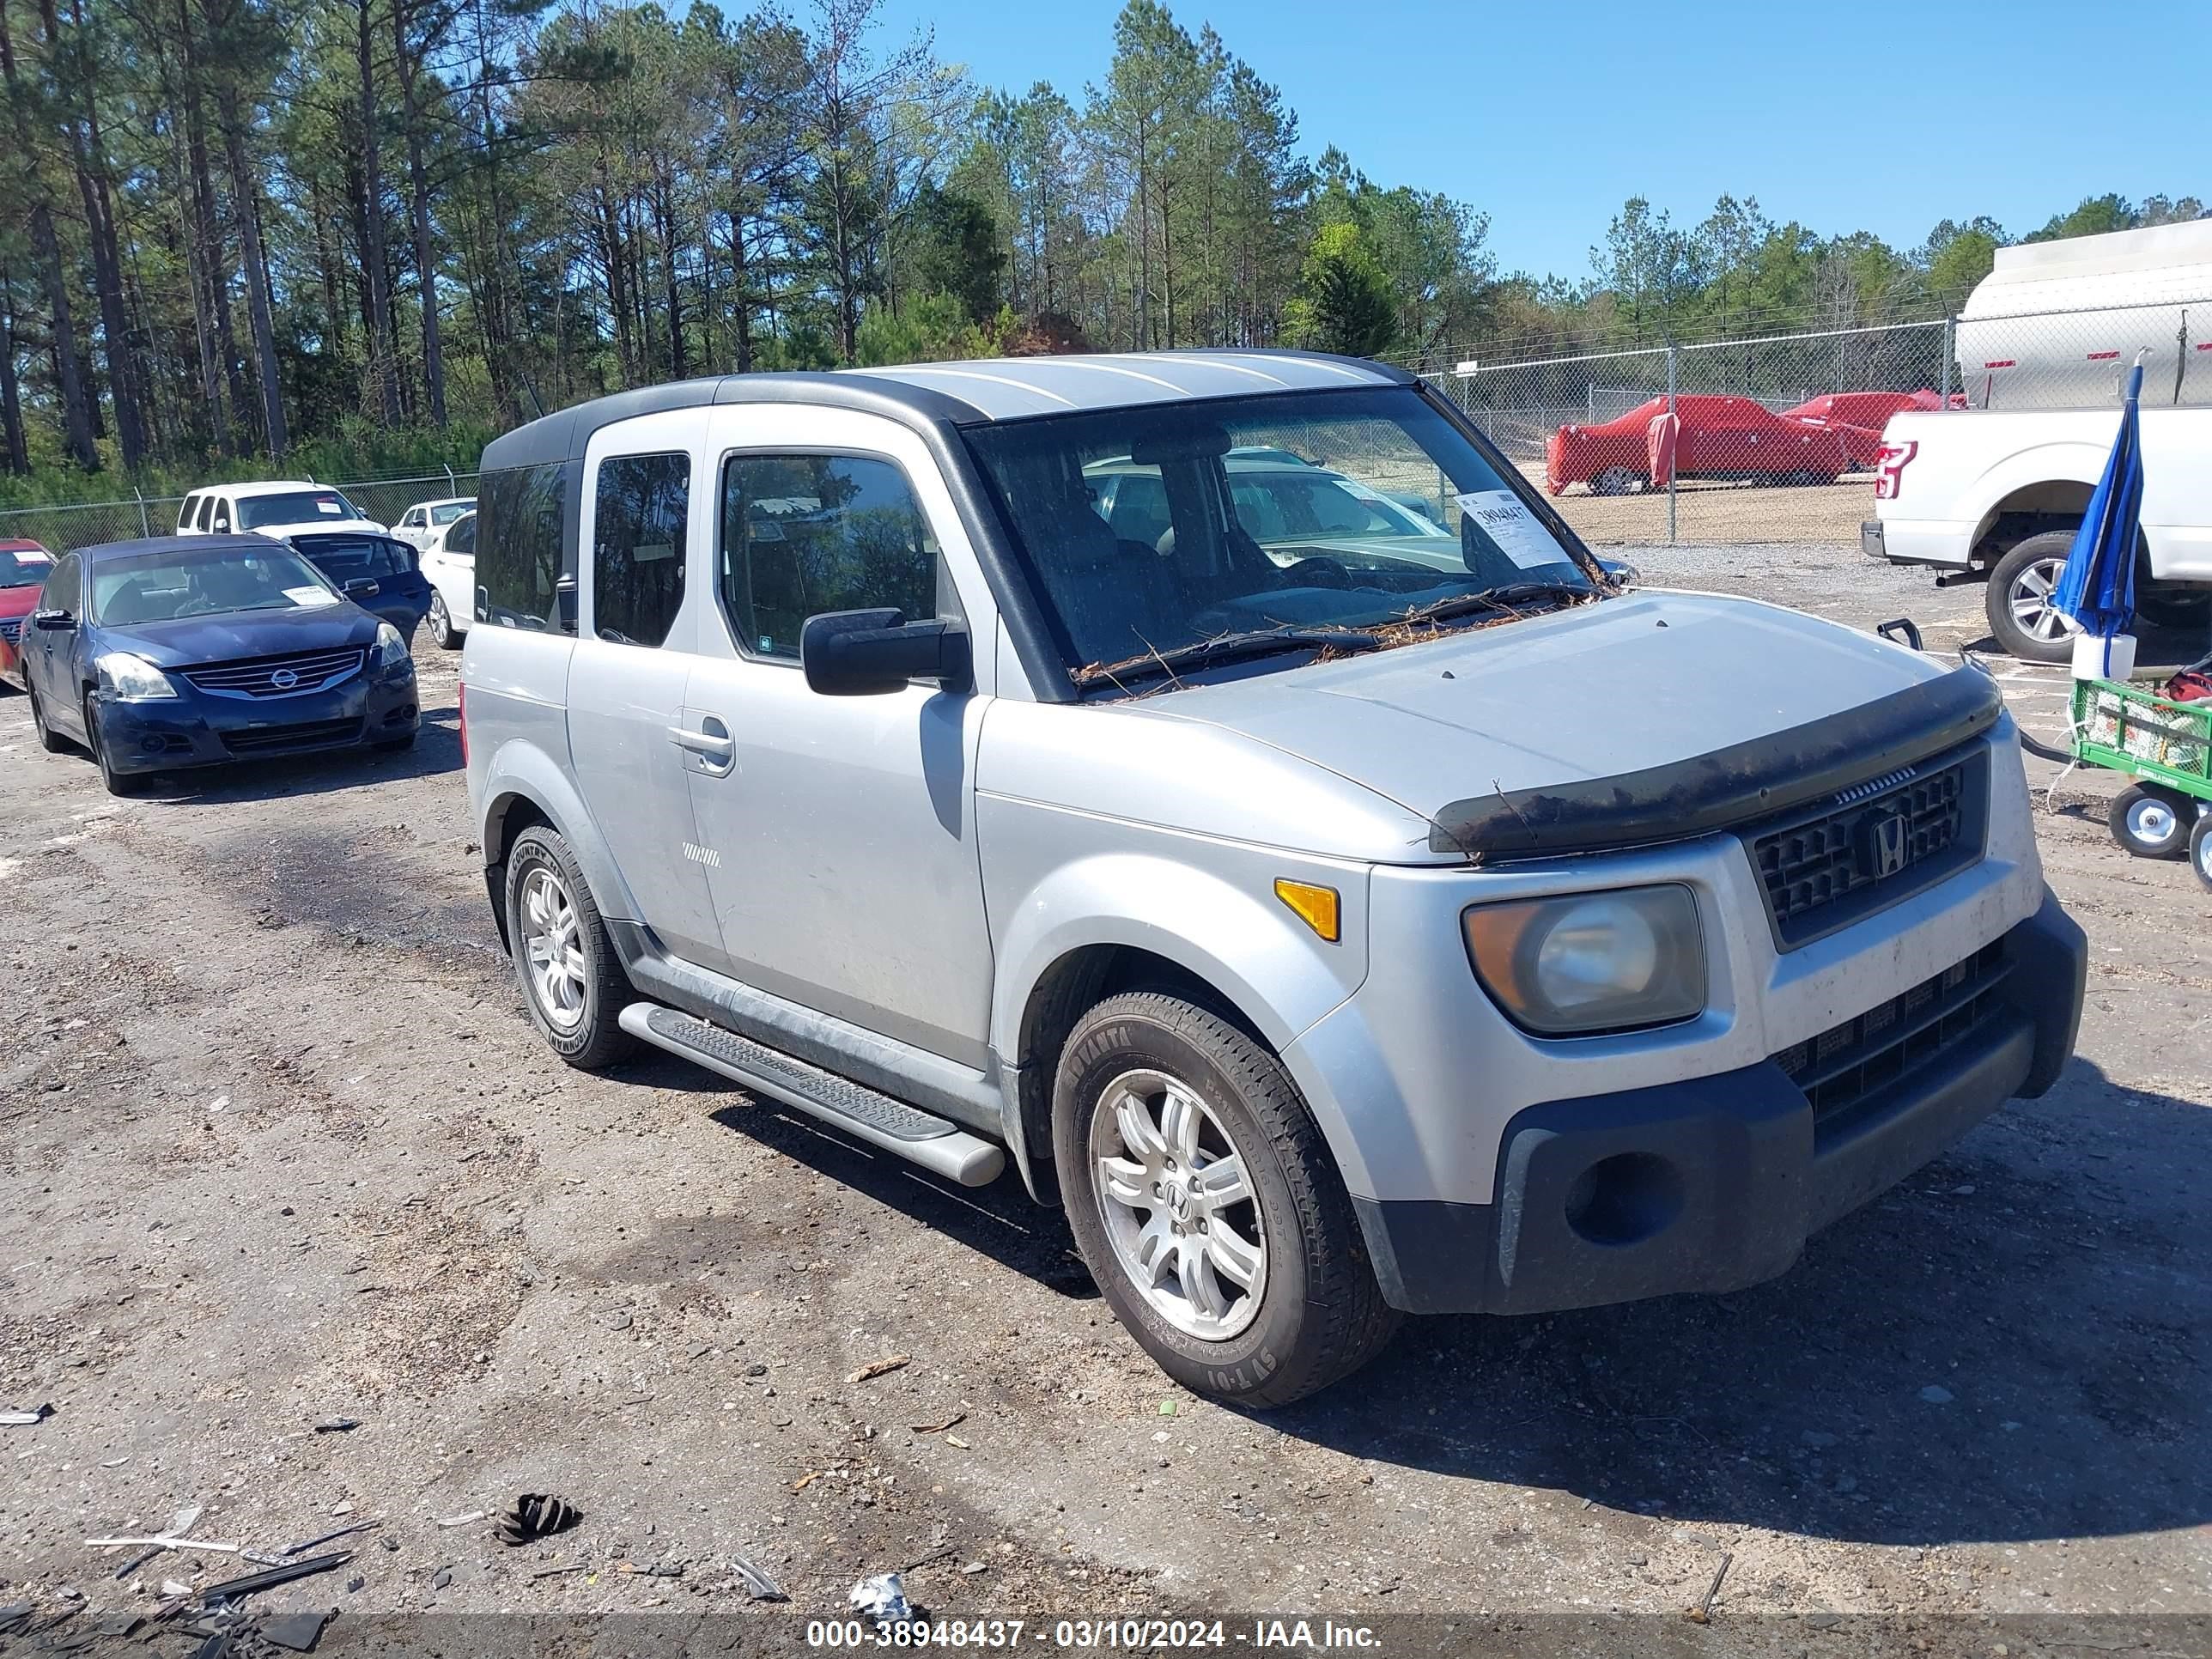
x: 1593, y: 962
x: 391, y: 649
x: 126, y: 679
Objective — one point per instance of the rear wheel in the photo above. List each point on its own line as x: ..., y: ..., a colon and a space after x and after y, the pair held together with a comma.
x: 119, y: 783
x: 2021, y: 616
x: 563, y: 959
x: 441, y: 623
x: 1207, y: 1206
x: 49, y: 739
x: 1619, y: 480
x: 2200, y: 849
x: 2152, y: 823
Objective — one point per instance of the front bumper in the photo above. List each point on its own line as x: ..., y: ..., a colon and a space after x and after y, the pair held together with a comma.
x: 1714, y: 1184
x: 194, y: 729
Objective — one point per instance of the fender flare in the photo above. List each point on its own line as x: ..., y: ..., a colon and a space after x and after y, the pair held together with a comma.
x: 2058, y: 461
x: 1258, y: 955
x: 521, y: 771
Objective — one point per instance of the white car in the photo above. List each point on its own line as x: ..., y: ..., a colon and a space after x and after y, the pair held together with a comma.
x: 449, y: 560
x: 420, y: 523
x: 277, y: 508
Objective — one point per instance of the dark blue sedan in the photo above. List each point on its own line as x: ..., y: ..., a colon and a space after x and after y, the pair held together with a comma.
x: 195, y: 650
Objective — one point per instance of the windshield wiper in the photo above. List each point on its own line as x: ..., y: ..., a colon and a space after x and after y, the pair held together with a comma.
x: 1502, y: 597
x: 1225, y: 648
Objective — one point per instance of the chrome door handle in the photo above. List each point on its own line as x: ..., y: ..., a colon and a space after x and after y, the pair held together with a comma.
x: 704, y: 743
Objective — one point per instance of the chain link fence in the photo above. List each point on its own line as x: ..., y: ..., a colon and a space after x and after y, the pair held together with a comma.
x: 88, y: 524
x: 1775, y: 438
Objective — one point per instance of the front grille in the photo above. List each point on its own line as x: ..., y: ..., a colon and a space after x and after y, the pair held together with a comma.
x: 1844, y: 1065
x: 1868, y: 845
x: 309, y: 734
x: 278, y: 677
x: 11, y: 628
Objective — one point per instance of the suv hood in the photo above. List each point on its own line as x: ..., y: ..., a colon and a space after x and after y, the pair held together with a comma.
x: 230, y: 636
x: 1589, y: 717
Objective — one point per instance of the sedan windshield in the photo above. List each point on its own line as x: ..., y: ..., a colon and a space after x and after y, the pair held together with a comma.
x: 169, y: 587
x: 294, y: 506
x: 22, y: 567
x: 1167, y: 536
x: 449, y: 511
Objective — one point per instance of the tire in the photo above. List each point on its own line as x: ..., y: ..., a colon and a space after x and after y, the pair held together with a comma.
x: 2152, y: 823
x: 49, y: 739
x: 2200, y: 849
x: 440, y: 622
x: 1619, y: 480
x: 1299, y: 1309
x: 118, y: 783
x: 2020, y: 619
x: 579, y: 1008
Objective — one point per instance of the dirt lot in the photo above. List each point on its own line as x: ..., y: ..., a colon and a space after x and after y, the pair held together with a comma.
x: 277, y: 1144
x: 1714, y: 512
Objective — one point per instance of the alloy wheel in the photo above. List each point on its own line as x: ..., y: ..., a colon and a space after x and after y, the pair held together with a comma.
x: 1179, y: 1205
x: 2029, y: 600
x: 553, y: 948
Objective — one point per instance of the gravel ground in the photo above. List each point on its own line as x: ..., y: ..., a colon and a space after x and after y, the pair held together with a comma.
x: 277, y: 1144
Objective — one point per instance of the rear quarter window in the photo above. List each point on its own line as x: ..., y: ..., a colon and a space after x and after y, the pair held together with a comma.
x: 525, y: 547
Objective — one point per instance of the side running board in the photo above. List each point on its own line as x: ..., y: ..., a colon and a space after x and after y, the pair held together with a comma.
x: 918, y: 1136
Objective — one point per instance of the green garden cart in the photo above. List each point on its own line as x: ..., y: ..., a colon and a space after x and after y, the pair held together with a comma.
x: 2166, y: 748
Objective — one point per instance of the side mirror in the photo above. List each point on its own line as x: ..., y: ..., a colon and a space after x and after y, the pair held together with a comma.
x: 361, y: 587
x: 862, y: 654
x: 1622, y: 573
x: 54, y: 621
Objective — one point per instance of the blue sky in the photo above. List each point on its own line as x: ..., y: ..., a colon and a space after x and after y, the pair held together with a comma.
x: 1845, y: 114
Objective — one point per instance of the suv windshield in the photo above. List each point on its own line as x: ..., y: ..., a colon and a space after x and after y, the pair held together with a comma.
x: 168, y: 587
x: 1167, y: 535
x: 293, y: 506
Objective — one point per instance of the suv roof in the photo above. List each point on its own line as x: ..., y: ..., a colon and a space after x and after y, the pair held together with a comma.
x: 966, y: 393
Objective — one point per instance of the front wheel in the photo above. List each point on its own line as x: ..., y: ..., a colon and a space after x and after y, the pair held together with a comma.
x: 2150, y: 822
x: 1619, y: 480
x: 2200, y: 849
x: 1206, y: 1204
x: 118, y: 783
x: 563, y: 959
x: 2021, y: 616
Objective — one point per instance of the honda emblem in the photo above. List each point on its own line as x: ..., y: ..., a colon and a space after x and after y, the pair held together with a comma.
x: 1882, y: 845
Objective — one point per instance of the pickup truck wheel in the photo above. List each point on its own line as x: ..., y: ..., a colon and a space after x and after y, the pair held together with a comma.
x: 570, y: 975
x: 2152, y: 823
x: 2019, y: 599
x: 1207, y: 1206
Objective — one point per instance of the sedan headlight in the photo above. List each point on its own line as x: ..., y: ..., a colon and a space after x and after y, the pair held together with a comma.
x: 126, y: 679
x: 391, y: 649
x: 1591, y: 962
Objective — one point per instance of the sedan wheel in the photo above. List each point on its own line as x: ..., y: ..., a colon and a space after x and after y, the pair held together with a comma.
x: 442, y: 622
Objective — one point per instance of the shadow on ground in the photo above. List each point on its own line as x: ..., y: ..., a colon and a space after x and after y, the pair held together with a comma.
x: 2010, y: 1346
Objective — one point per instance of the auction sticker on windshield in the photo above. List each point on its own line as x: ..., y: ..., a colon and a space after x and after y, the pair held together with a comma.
x: 307, y: 597
x: 1520, y: 537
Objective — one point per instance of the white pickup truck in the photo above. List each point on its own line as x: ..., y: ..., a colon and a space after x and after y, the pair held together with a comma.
x: 1996, y: 495
x: 1994, y: 491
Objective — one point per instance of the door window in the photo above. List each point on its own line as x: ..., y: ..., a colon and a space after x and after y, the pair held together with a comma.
x: 461, y: 539
x: 637, y: 546
x: 60, y: 592
x: 184, y: 514
x: 221, y: 520
x: 207, y: 511
x: 804, y: 534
